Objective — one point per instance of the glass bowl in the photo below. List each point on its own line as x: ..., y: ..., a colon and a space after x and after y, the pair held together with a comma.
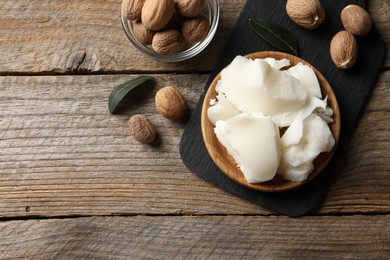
x: 212, y: 12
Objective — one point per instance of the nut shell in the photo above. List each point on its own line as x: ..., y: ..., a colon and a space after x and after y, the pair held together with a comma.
x: 307, y: 13
x: 190, y: 8
x: 132, y: 9
x: 195, y: 29
x: 170, y: 103
x: 157, y: 13
x: 356, y: 20
x: 142, y: 129
x: 168, y: 42
x: 343, y: 50
x: 143, y: 34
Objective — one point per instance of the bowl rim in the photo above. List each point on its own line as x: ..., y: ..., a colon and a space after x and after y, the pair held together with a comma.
x: 278, y: 184
x: 188, y: 53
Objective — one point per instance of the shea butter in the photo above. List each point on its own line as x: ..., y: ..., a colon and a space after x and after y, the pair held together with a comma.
x: 256, y: 99
x: 253, y: 86
x: 301, y: 144
x: 253, y: 141
x: 221, y: 110
x: 307, y: 77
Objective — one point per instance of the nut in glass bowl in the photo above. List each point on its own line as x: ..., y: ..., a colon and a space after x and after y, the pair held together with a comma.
x: 180, y: 39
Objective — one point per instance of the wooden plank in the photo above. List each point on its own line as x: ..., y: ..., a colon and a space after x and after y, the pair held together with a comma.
x: 34, y: 38
x: 63, y: 154
x: 86, y: 36
x: 380, y: 13
x: 214, y: 237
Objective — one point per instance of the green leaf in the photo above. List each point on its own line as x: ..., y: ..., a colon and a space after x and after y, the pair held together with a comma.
x: 122, y: 90
x: 275, y: 35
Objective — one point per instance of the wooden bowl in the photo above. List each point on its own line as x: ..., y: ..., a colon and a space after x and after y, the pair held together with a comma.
x: 227, y: 164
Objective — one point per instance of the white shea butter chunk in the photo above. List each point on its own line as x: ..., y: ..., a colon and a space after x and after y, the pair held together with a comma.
x: 307, y: 77
x: 278, y: 64
x: 253, y: 141
x: 253, y: 86
x: 294, y: 133
x: 286, y: 119
x: 221, y: 110
x: 297, y: 158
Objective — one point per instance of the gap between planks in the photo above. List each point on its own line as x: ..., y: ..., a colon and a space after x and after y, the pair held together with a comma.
x: 190, y: 214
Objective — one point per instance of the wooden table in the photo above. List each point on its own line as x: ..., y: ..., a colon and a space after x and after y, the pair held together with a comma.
x: 75, y: 184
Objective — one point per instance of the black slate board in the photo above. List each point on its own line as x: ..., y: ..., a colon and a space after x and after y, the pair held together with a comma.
x: 352, y: 88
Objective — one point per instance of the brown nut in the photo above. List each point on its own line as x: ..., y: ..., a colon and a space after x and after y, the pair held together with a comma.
x: 143, y: 34
x: 356, y: 20
x: 170, y: 103
x: 190, y: 8
x: 142, y: 129
x: 195, y: 29
x: 132, y: 9
x: 343, y: 50
x: 168, y: 42
x: 307, y: 13
x: 157, y: 13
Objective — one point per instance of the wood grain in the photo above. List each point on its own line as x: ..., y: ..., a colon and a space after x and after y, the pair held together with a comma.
x: 86, y: 36
x: 63, y: 154
x: 380, y: 13
x: 212, y: 237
